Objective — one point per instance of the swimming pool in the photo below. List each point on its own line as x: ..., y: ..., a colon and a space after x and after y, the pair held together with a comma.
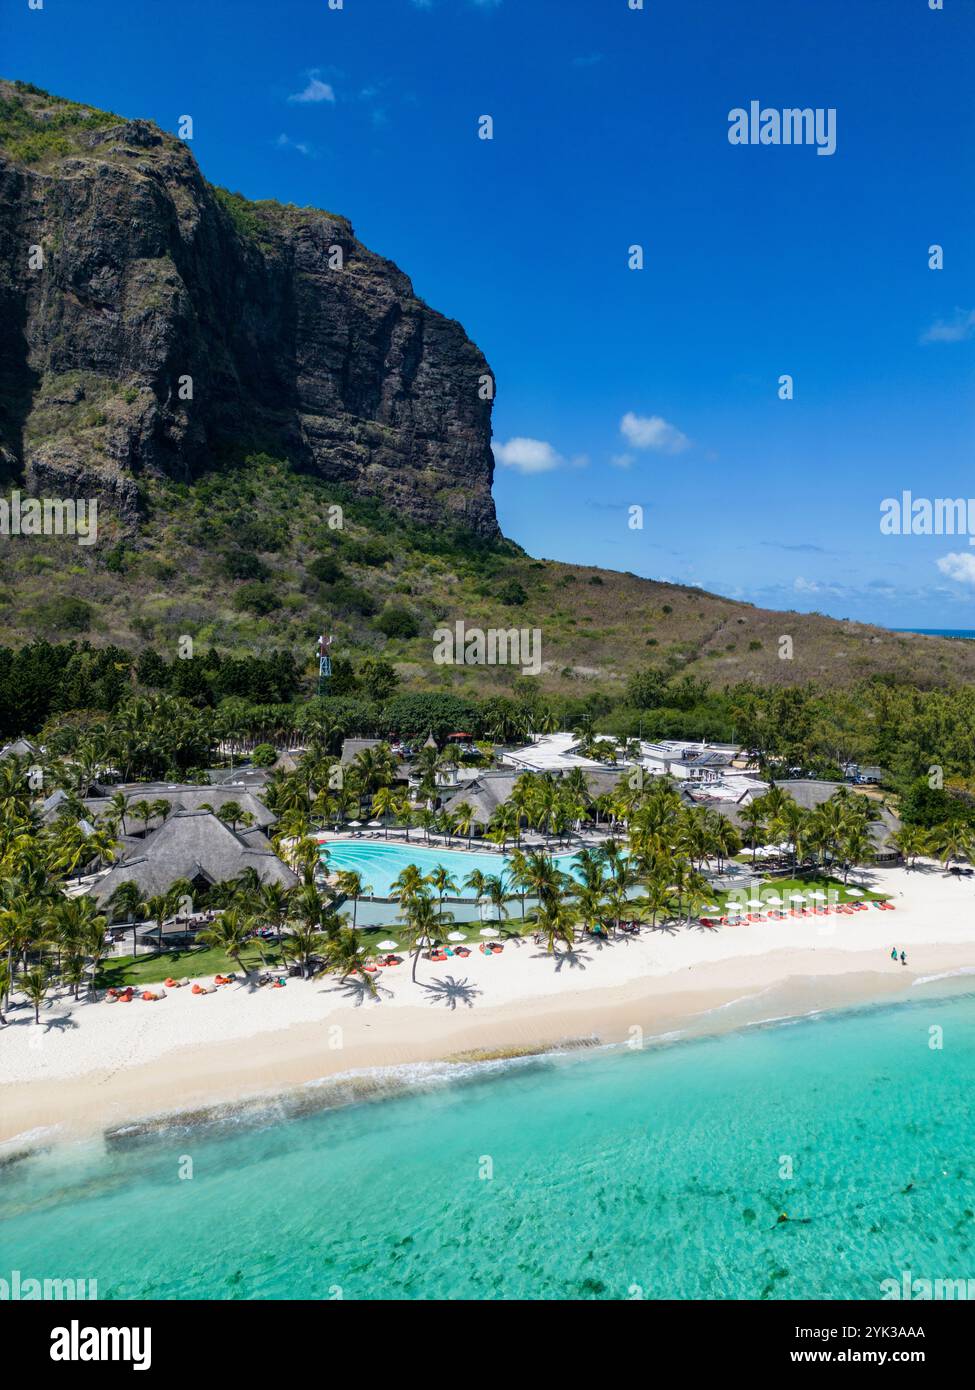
x: 381, y: 862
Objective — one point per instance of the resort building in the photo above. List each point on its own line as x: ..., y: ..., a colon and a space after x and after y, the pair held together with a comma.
x: 697, y: 762
x: 186, y: 797
x: 20, y: 748
x: 549, y: 753
x: 197, y: 846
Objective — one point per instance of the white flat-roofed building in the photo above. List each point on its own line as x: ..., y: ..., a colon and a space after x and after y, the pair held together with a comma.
x: 549, y: 753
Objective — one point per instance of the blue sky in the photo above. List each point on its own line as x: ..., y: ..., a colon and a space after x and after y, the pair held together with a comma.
x: 657, y: 387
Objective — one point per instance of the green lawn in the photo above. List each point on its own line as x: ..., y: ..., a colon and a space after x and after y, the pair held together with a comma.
x: 152, y: 966
x: 784, y: 886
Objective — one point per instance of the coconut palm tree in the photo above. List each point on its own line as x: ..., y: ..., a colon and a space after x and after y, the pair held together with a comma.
x: 496, y: 892
x: 556, y: 922
x: 125, y: 904
x: 444, y: 882
x: 659, y: 896
x: 465, y: 818
x: 384, y: 804
x: 35, y: 983
x: 344, y: 956
x: 950, y: 842
x: 912, y: 841
x: 349, y: 884
x: 117, y: 808
x: 422, y: 922
x: 517, y: 869
x: 752, y: 818
x: 230, y: 933
x: 407, y: 883
x: 302, y: 943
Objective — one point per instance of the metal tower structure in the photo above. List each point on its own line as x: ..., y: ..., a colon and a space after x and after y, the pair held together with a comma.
x: 324, y: 662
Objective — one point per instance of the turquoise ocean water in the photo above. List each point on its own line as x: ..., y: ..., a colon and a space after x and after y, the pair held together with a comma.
x: 613, y: 1172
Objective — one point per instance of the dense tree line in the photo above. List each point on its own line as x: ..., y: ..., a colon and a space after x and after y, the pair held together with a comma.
x: 926, y: 735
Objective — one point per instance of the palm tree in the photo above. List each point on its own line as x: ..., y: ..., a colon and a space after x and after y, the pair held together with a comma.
x: 117, y: 808
x: 407, y: 883
x: 126, y: 903
x: 517, y: 870
x: 349, y: 884
x: 912, y: 841
x: 465, y: 818
x: 344, y: 956
x: 441, y: 879
x: 232, y: 813
x: 384, y: 804
x: 556, y: 922
x: 303, y: 943
x: 141, y: 810
x: 230, y: 933
x: 658, y: 897
x: 951, y: 842
x: 422, y: 920
x: 855, y: 847
x: 496, y: 891
x: 476, y: 881
x: 752, y: 818
x: 35, y: 983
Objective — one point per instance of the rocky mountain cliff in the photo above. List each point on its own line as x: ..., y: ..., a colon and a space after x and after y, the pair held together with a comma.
x: 151, y: 323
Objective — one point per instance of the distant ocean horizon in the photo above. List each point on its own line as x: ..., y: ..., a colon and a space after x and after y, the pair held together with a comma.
x: 965, y: 632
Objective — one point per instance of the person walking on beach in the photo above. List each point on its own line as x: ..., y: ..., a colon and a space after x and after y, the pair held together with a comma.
x: 893, y: 954
x: 903, y: 958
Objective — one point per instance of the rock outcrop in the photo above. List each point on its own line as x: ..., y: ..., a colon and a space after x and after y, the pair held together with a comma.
x: 153, y: 324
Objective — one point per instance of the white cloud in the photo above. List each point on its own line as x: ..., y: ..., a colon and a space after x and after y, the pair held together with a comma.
x: 953, y: 330
x: 959, y: 565
x: 534, y: 456
x: 317, y: 90
x: 284, y: 142
x: 622, y: 460
x: 805, y: 586
x: 652, y: 432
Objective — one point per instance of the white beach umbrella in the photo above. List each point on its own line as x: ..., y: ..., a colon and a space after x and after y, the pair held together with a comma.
x: 820, y: 897
x: 456, y: 936
x: 387, y: 946
x: 754, y: 902
x: 712, y: 907
x: 489, y: 931
x: 375, y: 825
x: 355, y: 822
x: 774, y: 900
x: 797, y: 897
x: 855, y: 892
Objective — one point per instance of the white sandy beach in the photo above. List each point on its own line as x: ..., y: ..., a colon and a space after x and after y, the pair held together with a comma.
x: 87, y: 1066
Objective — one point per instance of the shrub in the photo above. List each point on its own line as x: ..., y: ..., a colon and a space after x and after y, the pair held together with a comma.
x: 264, y: 755
x: 368, y: 552
x: 64, y: 614
x: 349, y: 598
x: 241, y: 564
x: 256, y: 598
x: 398, y: 622
x: 325, y: 568
x: 512, y: 593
